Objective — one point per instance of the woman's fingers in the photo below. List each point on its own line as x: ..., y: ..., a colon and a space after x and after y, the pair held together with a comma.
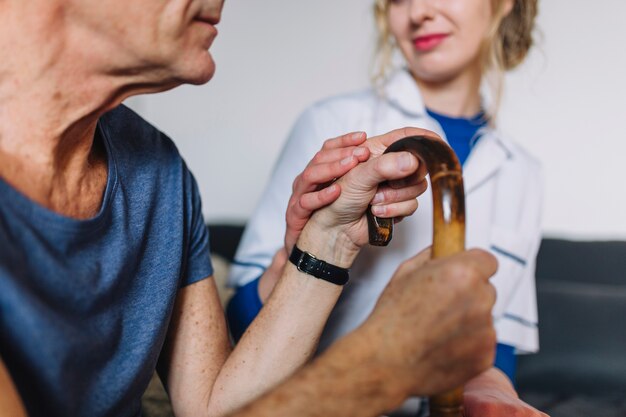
x: 339, y: 154
x: 320, y: 173
x: 335, y: 159
x: 349, y: 139
x: 310, y: 202
x: 314, y: 188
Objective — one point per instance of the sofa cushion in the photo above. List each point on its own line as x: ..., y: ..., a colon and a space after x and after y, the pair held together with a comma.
x: 581, y: 290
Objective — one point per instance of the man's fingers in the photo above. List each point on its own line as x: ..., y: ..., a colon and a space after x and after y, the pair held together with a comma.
x: 401, y: 209
x: 472, y: 263
x: 378, y: 144
x: 413, y: 179
x: 480, y: 260
x: 391, y: 166
x: 387, y: 195
x: 420, y: 259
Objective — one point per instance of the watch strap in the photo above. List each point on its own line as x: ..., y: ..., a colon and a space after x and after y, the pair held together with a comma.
x: 309, y: 264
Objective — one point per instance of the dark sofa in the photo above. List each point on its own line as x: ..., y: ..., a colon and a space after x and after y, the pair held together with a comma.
x: 581, y: 367
x: 581, y: 286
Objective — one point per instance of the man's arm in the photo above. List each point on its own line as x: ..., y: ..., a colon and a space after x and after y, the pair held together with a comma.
x: 345, y: 381
x: 430, y: 331
x: 286, y: 332
x: 195, y: 349
x: 10, y: 401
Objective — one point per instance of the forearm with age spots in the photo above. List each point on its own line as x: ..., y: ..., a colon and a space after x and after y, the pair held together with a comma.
x: 346, y: 381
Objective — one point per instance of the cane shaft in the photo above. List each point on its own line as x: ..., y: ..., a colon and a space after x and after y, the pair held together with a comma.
x: 448, y: 239
x: 446, y: 183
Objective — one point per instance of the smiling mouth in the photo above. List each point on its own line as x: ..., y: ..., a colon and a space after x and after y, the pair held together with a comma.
x: 428, y: 42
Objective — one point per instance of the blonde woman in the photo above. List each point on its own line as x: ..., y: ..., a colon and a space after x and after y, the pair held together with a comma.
x: 451, y: 49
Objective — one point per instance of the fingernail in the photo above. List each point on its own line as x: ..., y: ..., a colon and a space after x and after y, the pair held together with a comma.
x: 379, y: 197
x: 378, y: 210
x: 405, y: 162
x: 346, y: 161
x: 330, y: 189
x: 359, y: 151
x: 356, y: 135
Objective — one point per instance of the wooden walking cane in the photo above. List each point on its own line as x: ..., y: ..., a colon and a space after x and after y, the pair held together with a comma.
x: 448, y: 226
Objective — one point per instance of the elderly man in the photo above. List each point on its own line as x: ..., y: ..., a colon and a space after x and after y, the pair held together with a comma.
x: 104, y: 267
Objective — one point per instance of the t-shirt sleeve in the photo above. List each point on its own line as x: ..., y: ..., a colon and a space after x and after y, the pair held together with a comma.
x: 198, y: 264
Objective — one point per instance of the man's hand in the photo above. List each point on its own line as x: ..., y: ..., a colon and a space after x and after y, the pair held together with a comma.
x: 432, y: 326
x: 491, y: 394
x: 343, y: 223
x: 430, y: 331
x: 315, y: 188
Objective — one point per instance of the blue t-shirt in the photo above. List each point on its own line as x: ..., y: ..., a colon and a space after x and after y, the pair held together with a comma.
x: 85, y: 305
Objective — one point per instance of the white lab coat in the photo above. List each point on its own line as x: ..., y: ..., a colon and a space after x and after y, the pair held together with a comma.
x: 503, y: 209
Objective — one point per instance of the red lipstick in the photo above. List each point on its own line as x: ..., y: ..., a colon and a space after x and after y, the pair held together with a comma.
x: 428, y: 42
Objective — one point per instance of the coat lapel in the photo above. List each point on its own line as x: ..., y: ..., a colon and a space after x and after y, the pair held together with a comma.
x: 486, y: 157
x: 484, y: 161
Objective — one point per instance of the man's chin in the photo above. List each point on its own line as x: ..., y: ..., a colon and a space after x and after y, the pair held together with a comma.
x: 198, y: 73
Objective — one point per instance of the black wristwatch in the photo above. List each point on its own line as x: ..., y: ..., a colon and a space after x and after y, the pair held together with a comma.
x: 309, y: 264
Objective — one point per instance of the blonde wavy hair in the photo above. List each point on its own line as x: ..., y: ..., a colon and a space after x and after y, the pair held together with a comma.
x: 506, y: 45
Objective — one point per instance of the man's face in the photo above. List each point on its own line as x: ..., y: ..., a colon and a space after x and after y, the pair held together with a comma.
x: 165, y: 40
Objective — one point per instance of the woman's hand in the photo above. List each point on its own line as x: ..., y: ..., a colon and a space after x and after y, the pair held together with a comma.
x: 314, y: 188
x: 491, y: 394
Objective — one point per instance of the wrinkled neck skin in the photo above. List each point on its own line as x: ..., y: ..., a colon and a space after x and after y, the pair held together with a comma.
x: 455, y: 96
x: 54, y: 86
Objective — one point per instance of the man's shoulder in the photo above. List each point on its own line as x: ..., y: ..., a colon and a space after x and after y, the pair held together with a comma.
x: 132, y: 136
x: 144, y: 158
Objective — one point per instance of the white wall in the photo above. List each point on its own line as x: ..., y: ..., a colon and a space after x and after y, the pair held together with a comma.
x: 567, y: 104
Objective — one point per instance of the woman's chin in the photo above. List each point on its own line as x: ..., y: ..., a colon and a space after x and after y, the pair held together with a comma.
x: 434, y: 74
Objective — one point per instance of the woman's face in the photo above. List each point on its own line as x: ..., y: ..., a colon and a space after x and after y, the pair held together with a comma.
x: 440, y: 39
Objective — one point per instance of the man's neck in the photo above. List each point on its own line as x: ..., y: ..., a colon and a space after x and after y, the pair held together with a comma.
x: 53, y: 164
x: 48, y: 120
